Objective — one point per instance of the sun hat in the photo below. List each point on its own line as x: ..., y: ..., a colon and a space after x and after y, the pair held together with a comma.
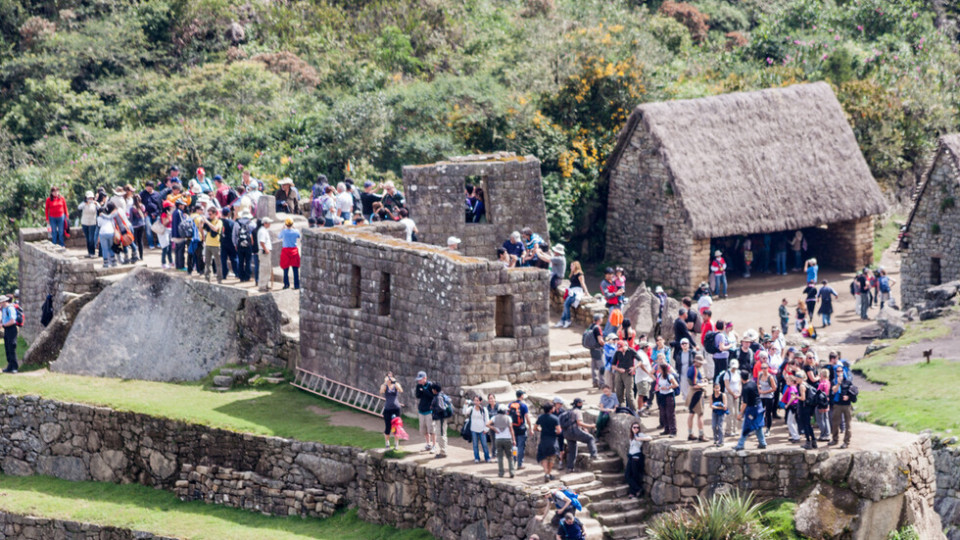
x: 4, y: 298
x: 88, y: 195
x: 717, y: 253
x: 288, y: 222
x: 285, y: 181
x: 266, y: 220
x: 453, y: 240
x: 558, y: 399
x: 246, y: 214
x: 658, y: 290
x: 750, y: 335
x: 120, y: 192
x: 559, y: 249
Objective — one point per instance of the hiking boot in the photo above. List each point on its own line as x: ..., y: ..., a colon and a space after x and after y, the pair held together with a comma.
x: 762, y: 446
x: 440, y: 456
x: 701, y: 438
x: 842, y: 446
x: 833, y: 443
x: 690, y: 437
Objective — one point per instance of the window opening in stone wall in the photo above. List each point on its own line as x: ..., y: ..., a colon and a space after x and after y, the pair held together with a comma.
x: 935, y: 271
x: 355, y: 287
x: 475, y: 193
x: 658, y: 238
x: 503, y: 318
x: 383, y: 301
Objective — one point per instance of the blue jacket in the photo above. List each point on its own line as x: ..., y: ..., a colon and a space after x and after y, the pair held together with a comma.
x: 177, y: 217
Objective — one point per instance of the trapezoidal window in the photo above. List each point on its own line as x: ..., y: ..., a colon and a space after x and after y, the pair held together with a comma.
x: 354, y: 287
x: 475, y: 195
x: 383, y: 297
x: 503, y: 317
x: 935, y: 278
x: 658, y: 238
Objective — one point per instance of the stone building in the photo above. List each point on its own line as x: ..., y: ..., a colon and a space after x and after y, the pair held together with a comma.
x: 373, y: 303
x: 685, y: 173
x: 513, y: 195
x: 931, y: 239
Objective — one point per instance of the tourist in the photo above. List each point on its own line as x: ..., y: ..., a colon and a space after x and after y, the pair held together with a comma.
x: 767, y: 387
x: 751, y: 412
x: 706, y: 326
x: 745, y: 353
x: 152, y: 204
x: 609, y: 350
x: 138, y: 222
x: 826, y: 295
x: 453, y: 243
x: 245, y: 244
x: 719, y: 407
x: 810, y: 293
x: 504, y: 440
x: 842, y: 399
x: 558, y: 264
x: 823, y: 413
x: 593, y: 341
x: 344, y: 202
x: 702, y: 291
x: 780, y: 254
x: 202, y: 182
x: 367, y: 198
x: 478, y: 208
x: 409, y: 227
x: 119, y: 199
x: 530, y: 241
x: 806, y: 409
x: 212, y: 230
x: 608, y: 405
x: 730, y: 382
x: 558, y: 411
x: 514, y: 247
x: 721, y: 346
x: 437, y: 412
x: 660, y: 353
x: 390, y: 389
x: 328, y: 207
x: 228, y: 249
x: 611, y: 294
x: 747, y: 256
x: 626, y: 332
x: 801, y: 316
x: 548, y: 425
x: 393, y: 199
x: 576, y: 432
x: 223, y: 193
x: 570, y: 528
x: 290, y: 254
x: 624, y: 362
x: 424, y: 413
x: 666, y: 384
x: 88, y: 222
x: 575, y: 292
x: 697, y: 393
x: 644, y: 378
x: 181, y: 232
x: 355, y: 193
x: 791, y: 402
x: 694, y: 320
x: 884, y: 286
x: 195, y: 247
x: 105, y: 231
x: 163, y: 239
x: 520, y: 417
x: 8, y: 319
x: 633, y: 474
x: 477, y: 420
x: 811, y: 268
x: 796, y: 246
x: 681, y: 329
x: 684, y: 361
x: 265, y: 248
x: 662, y: 300
x: 56, y: 213
x: 491, y: 407
x: 784, y: 314
x: 718, y: 274
x: 287, y: 197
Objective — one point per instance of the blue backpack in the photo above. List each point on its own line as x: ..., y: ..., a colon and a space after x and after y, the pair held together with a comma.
x: 574, y: 499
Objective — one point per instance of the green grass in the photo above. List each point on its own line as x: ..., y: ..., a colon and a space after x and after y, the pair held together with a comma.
x: 884, y: 235
x: 913, y: 397
x: 278, y: 411
x: 142, y: 508
x: 778, y: 515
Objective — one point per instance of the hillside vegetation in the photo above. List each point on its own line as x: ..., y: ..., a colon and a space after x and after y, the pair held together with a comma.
x: 113, y: 91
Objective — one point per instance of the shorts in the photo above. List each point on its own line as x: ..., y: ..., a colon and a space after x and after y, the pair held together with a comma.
x: 388, y: 416
x: 643, y: 388
x: 426, y: 424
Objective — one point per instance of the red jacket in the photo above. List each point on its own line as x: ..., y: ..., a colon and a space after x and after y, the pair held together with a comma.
x: 55, y: 208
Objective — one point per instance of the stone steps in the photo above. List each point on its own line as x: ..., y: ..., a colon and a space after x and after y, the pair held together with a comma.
x: 607, y: 493
x: 569, y: 364
x: 491, y: 387
x: 568, y: 354
x: 623, y: 531
x: 606, y: 464
x: 615, y: 505
x: 581, y: 374
x: 622, y: 518
x: 611, y: 479
x: 577, y: 479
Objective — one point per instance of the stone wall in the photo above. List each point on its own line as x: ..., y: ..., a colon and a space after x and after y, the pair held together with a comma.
x: 513, y: 199
x: 947, y: 500
x: 47, y: 269
x: 647, y: 229
x: 934, y: 232
x: 372, y: 303
x: 847, y: 245
x: 266, y: 474
x: 16, y: 526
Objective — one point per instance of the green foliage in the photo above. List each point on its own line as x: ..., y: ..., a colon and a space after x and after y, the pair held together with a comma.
x: 395, y: 51
x: 723, y: 517
x: 779, y: 516
x: 906, y: 533
x: 9, y: 280
x: 48, y: 105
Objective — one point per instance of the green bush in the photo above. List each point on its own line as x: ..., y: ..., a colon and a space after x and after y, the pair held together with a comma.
x: 9, y: 271
x: 722, y: 517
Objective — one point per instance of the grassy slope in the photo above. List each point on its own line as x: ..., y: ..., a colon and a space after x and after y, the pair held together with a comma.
x: 885, y: 235
x: 917, y: 396
x: 778, y: 515
x: 142, y: 508
x: 280, y: 411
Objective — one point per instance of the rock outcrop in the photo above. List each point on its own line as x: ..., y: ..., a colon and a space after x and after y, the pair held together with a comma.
x: 891, y: 323
x: 47, y: 346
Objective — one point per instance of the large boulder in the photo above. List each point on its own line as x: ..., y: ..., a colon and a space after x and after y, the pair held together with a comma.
x: 641, y: 310
x: 877, y: 475
x: 154, y: 326
x: 891, y: 323
x: 327, y: 471
x: 940, y: 295
x: 827, y: 512
x: 46, y: 347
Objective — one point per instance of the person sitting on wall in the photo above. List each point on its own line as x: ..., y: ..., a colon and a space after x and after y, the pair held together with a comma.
x: 453, y: 243
x: 287, y: 196
x: 393, y: 199
x: 514, y: 247
x: 530, y: 240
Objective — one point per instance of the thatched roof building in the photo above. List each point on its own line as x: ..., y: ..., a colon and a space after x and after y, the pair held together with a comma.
x: 738, y: 164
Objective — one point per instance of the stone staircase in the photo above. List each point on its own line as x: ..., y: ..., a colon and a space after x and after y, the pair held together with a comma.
x: 570, y: 365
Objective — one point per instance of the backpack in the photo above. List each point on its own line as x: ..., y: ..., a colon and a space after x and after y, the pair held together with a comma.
x: 589, y: 339
x: 884, y: 284
x: 850, y: 389
x: 574, y: 499
x: 516, y: 418
x: 243, y: 238
x: 853, y: 287
x: 46, y: 312
x: 186, y: 227
x: 820, y: 399
x: 567, y: 420
x: 447, y: 405
x: 19, y: 314
x: 710, y: 343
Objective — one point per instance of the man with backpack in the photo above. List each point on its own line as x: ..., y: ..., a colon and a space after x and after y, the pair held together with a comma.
x: 884, y: 283
x: 244, y: 243
x: 520, y: 420
x: 592, y: 340
x: 441, y: 409
x: 843, y: 394
x: 181, y: 233
x: 424, y: 397
x: 573, y: 426
x: 570, y: 528
x: 12, y: 320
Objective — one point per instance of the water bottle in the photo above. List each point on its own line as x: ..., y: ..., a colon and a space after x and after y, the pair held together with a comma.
x: 514, y: 451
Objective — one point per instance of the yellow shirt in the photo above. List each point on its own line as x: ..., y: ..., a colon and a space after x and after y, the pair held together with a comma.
x: 209, y: 239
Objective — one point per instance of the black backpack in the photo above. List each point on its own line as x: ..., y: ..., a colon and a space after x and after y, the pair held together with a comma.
x: 185, y: 229
x: 589, y: 339
x: 567, y: 420
x: 243, y: 236
x: 710, y: 343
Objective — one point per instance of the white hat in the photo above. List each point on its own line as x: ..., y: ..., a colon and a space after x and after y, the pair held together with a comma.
x: 750, y: 335
x: 717, y: 253
x: 734, y: 364
x: 453, y: 240
x: 266, y: 220
x: 4, y: 298
x: 658, y: 290
x: 684, y: 340
x: 119, y: 192
x: 559, y: 249
x: 203, y: 199
x: 246, y: 214
x: 88, y: 195
x: 286, y: 181
x: 558, y: 399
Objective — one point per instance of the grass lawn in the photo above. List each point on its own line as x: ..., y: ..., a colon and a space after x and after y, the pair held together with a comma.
x: 142, y: 508
x: 917, y: 396
x: 278, y: 411
x: 884, y: 235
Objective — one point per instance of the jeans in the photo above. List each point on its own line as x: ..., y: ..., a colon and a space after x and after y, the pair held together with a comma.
x: 717, y: 425
x: 574, y: 436
x: 296, y: 277
x: 10, y: 346
x: 480, y: 438
x: 863, y: 303
x: 521, y: 447
x: 792, y: 429
x: 502, y: 449
x: 840, y: 414
x: 780, y: 260
x: 721, y: 284
x: 798, y: 259
x: 567, y: 306
x: 596, y: 362
x: 768, y: 407
x: 743, y: 438
x: 56, y: 230
x: 634, y: 473
x: 166, y: 255
x: 137, y: 246
x: 179, y: 249
x: 804, y: 415
x: 823, y: 422
x: 228, y: 260
x: 244, y: 259
x: 90, y: 234
x: 256, y: 268
x: 106, y: 248
x: 784, y: 325
x: 151, y: 243
x: 826, y: 318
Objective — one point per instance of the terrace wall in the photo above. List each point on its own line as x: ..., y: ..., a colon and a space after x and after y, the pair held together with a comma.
x: 37, y: 528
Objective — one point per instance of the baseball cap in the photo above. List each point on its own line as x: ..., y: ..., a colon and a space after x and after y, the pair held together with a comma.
x: 558, y: 399
x: 367, y: 184
x: 520, y: 394
x: 218, y: 177
x: 421, y: 375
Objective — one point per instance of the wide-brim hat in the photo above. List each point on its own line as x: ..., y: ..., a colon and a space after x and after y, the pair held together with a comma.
x: 717, y: 253
x: 88, y: 195
x: 4, y: 298
x: 750, y: 335
x: 559, y: 249
x: 246, y: 214
x: 286, y: 181
x: 119, y: 192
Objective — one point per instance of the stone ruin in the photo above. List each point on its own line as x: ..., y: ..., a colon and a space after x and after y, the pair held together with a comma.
x: 513, y: 195
x: 372, y: 303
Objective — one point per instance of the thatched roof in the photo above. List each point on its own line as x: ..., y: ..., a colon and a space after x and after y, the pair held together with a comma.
x: 947, y: 148
x: 765, y: 161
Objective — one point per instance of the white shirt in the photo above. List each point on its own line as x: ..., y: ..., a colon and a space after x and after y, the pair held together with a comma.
x: 644, y: 362
x: 263, y: 239
x: 732, y: 380
x: 409, y: 225
x: 345, y: 202
x: 704, y: 302
x: 478, y: 419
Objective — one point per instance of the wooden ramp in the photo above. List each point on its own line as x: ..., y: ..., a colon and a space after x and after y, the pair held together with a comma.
x: 339, y: 392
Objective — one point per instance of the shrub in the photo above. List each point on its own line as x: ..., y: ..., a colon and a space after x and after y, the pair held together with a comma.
x: 728, y: 516
x: 670, y: 33
x: 735, y: 40
x: 537, y: 8
x: 9, y: 270
x: 689, y: 16
x: 284, y: 62
x: 36, y: 30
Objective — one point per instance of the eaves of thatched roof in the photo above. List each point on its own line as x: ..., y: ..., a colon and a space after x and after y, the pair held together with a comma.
x: 764, y: 161
x: 947, y: 148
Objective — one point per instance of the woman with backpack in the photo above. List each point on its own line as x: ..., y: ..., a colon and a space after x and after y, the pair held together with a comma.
x: 549, y: 427
x: 477, y: 419
x: 106, y: 229
x: 666, y: 384
x: 806, y: 408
